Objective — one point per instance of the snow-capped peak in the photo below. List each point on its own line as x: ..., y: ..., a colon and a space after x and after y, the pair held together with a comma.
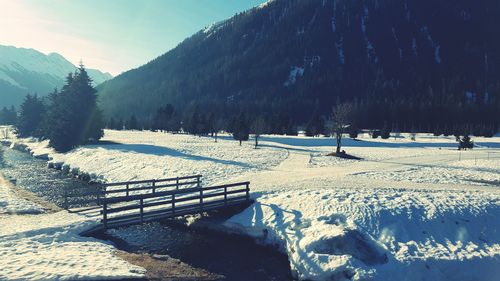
x: 22, y: 60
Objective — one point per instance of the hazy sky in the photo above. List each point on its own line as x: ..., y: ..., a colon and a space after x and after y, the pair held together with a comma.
x: 111, y: 35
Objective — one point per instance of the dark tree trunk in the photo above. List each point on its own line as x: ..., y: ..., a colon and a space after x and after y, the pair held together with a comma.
x: 339, y: 141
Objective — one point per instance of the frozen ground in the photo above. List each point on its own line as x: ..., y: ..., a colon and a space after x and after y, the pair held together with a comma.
x: 408, y: 211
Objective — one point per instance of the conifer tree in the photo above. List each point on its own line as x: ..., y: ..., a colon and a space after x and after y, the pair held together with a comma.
x: 111, y: 124
x: 162, y: 117
x: 465, y: 143
x: 31, y: 113
x: 73, y: 117
x: 241, y: 129
x: 386, y: 132
x: 353, y: 132
x: 315, y: 126
x: 132, y: 123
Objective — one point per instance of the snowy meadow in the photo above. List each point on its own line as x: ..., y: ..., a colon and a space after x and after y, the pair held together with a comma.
x: 408, y: 210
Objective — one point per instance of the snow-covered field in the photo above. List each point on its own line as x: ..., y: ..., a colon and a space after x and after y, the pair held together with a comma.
x: 47, y: 246
x: 407, y: 211
x: 146, y: 155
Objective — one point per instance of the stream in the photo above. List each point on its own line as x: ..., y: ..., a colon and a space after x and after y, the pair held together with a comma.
x: 233, y: 256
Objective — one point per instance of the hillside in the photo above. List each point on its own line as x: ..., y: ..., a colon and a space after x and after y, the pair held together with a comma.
x: 24, y: 71
x: 414, y: 57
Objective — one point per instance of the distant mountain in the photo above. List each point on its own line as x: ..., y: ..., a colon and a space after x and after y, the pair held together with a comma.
x: 24, y: 71
x: 296, y: 56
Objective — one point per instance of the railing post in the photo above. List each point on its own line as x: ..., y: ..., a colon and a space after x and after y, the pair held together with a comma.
x: 248, y: 191
x: 105, y: 214
x: 154, y: 183
x: 201, y: 199
x: 142, y: 211
x: 127, y: 190
x: 177, y: 184
x: 225, y: 195
x: 100, y: 193
x: 198, y: 182
x: 173, y: 204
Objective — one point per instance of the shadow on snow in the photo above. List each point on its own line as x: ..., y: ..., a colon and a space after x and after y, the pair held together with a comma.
x: 165, y: 151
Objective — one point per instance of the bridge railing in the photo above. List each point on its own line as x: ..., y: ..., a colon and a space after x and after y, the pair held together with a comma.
x: 139, y: 208
x: 150, y: 186
x: 93, y: 195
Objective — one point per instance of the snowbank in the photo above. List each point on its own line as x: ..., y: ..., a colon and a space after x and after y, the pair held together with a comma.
x: 383, y: 233
x: 49, y: 247
x: 38, y: 246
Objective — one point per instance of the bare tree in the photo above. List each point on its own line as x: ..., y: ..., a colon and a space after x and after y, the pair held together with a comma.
x: 258, y: 128
x: 219, y: 125
x: 341, y: 118
x: 413, y: 133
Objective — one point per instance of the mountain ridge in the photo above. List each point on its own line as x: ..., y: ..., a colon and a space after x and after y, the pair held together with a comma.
x: 26, y: 70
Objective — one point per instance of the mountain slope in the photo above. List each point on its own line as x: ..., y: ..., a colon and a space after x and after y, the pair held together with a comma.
x: 297, y: 55
x: 25, y: 71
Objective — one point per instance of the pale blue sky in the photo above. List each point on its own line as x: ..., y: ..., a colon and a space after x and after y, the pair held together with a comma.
x: 111, y: 35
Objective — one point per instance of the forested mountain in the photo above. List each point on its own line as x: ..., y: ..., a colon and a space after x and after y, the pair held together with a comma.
x: 423, y: 63
x: 27, y: 71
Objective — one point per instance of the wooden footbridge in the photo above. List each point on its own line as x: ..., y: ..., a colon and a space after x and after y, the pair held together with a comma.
x: 137, y: 202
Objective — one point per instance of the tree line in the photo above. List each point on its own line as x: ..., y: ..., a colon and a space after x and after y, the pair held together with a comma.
x: 344, y: 118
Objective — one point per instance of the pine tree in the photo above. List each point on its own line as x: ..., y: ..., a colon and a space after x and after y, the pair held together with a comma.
x: 240, y: 129
x: 315, y: 126
x: 353, y: 132
x: 132, y: 123
x: 465, y: 143
x: 120, y: 124
x: 386, y: 132
x: 73, y: 117
x: 94, y: 131
x: 162, y: 117
x: 31, y: 113
x: 111, y: 124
